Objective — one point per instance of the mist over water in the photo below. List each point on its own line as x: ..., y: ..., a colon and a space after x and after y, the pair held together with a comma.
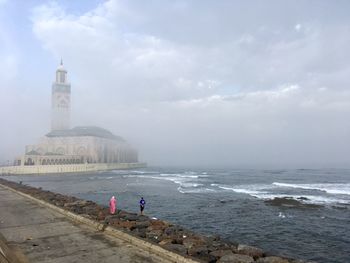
x: 231, y: 203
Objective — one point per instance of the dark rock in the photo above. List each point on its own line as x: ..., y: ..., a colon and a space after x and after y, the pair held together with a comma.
x: 235, y: 258
x: 303, y: 198
x: 177, y: 248
x: 207, y: 258
x: 290, y: 202
x: 154, y: 235
x: 158, y: 225
x: 101, y: 216
x: 192, y: 242
x: 130, y: 225
x: 140, y: 232
x: 250, y: 251
x: 167, y: 241
x: 143, y: 224
x: 220, y: 253
x: 196, y: 251
x: 172, y: 230
x: 143, y: 218
x: 131, y: 217
x: 272, y: 260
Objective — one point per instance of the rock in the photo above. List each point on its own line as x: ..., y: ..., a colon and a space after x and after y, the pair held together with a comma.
x: 272, y: 260
x: 157, y: 225
x: 235, y: 258
x: 154, y: 235
x: 130, y: 225
x: 177, y: 239
x: 142, y: 218
x: 143, y: 224
x: 207, y: 258
x: 131, y: 217
x: 191, y: 242
x: 220, y: 253
x: 196, y: 251
x: 250, y: 251
x: 290, y: 202
x: 166, y: 242
x: 176, y: 248
x: 172, y: 230
x: 101, y: 216
x: 140, y: 232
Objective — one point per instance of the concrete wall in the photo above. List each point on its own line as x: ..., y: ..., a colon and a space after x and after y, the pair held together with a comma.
x: 68, y: 168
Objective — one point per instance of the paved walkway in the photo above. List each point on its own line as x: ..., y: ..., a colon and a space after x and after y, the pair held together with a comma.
x: 44, y: 235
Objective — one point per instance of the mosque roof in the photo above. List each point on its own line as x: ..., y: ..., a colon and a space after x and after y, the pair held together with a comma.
x: 85, y: 131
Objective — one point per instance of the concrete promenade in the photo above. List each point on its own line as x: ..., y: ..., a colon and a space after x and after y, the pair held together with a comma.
x: 44, y: 235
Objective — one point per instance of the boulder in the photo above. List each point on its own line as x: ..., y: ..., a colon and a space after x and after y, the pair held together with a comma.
x: 131, y: 217
x: 130, y: 225
x: 235, y: 258
x: 140, y: 232
x: 166, y: 242
x: 157, y: 225
x: 272, y: 259
x: 250, y: 251
x: 190, y: 242
x: 177, y: 248
x: 154, y: 235
x: 220, y: 253
x: 143, y: 218
x: 101, y: 216
x: 143, y: 224
x: 219, y: 245
x: 290, y: 202
x: 196, y: 251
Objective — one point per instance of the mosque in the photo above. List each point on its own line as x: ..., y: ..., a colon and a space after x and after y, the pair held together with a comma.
x: 79, y: 145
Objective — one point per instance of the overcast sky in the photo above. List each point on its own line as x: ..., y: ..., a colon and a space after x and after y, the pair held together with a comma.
x: 188, y: 83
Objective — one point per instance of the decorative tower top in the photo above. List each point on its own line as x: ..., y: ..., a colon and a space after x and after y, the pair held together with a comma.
x: 61, y: 73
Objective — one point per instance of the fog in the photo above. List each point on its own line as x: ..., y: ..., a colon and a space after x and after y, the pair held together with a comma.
x: 187, y: 83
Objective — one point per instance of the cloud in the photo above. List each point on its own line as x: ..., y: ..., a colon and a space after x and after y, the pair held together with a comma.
x: 193, y: 83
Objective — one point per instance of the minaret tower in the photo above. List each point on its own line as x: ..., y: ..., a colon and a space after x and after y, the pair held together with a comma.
x: 60, y: 119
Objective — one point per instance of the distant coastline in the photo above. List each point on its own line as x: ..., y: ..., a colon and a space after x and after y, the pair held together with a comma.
x: 67, y: 168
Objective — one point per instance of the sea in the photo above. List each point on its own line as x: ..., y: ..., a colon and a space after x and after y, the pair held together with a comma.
x: 231, y: 203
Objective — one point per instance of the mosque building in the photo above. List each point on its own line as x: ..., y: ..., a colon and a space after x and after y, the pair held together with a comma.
x: 79, y: 145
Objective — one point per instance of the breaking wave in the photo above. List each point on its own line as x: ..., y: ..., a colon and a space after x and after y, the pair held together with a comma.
x: 341, y: 189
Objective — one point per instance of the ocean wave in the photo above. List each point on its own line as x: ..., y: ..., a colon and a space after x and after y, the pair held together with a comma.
x: 243, y: 190
x: 266, y: 192
x: 341, y: 189
x: 195, y: 190
x: 181, y: 175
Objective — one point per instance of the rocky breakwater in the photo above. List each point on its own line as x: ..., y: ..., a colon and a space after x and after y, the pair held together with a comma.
x: 167, y: 235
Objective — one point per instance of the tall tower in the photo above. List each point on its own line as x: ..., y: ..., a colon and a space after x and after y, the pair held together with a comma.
x: 60, y: 119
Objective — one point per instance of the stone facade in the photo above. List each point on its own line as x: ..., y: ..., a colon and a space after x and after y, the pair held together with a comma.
x: 79, y: 145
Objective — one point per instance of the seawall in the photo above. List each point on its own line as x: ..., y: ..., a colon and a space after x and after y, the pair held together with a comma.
x: 67, y: 168
x: 163, y: 238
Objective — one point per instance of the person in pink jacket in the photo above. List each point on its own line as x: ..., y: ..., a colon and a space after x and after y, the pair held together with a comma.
x: 112, y: 205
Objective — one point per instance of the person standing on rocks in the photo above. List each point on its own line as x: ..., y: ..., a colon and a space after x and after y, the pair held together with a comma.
x: 142, y: 205
x: 112, y: 205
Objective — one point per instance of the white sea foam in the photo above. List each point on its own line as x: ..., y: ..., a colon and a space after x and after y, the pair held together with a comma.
x: 243, y: 190
x: 281, y: 215
x: 341, y: 189
x: 266, y: 192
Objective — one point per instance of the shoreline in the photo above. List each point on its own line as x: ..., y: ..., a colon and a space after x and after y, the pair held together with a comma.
x: 67, y: 168
x: 158, y: 233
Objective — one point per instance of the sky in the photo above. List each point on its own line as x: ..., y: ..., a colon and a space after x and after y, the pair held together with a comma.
x: 188, y: 83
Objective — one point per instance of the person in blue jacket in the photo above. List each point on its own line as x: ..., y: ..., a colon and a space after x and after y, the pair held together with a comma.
x: 142, y: 205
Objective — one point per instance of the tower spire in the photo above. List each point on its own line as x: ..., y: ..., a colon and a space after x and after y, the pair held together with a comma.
x: 61, y: 62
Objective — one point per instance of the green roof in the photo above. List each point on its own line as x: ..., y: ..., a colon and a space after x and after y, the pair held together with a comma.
x: 85, y: 131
